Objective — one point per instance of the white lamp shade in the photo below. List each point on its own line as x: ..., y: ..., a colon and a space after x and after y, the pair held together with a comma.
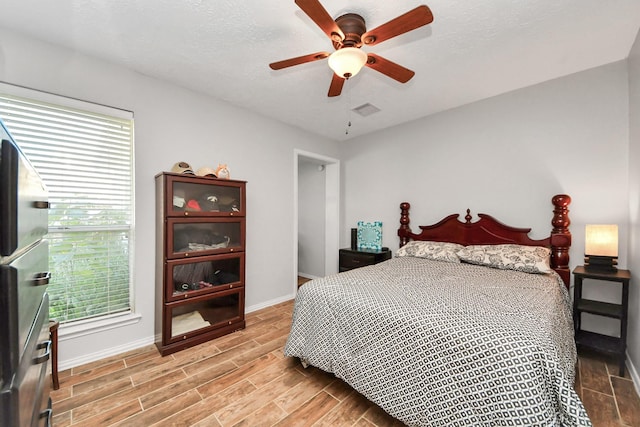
x: 347, y: 62
x: 601, y: 240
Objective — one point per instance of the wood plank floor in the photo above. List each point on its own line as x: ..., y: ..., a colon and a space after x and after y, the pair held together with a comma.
x: 243, y: 379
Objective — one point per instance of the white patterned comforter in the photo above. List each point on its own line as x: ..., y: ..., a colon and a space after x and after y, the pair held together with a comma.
x: 443, y: 344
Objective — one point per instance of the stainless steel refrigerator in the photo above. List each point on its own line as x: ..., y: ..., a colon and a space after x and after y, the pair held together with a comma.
x: 25, y: 344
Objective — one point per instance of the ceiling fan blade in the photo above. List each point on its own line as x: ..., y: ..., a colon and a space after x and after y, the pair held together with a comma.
x: 411, y: 20
x: 321, y: 17
x: 298, y: 60
x: 388, y: 68
x: 336, y: 85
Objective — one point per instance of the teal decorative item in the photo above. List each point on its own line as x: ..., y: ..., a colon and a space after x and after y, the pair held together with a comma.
x: 370, y: 235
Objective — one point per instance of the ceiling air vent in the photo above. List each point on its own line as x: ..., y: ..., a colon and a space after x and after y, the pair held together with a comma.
x: 366, y: 109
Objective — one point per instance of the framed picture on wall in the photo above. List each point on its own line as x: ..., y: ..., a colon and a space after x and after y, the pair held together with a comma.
x: 370, y: 235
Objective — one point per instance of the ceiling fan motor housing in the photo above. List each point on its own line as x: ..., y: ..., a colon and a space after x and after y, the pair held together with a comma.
x: 353, y: 27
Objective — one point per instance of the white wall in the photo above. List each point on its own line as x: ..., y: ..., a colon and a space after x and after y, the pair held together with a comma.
x: 311, y: 219
x: 507, y: 156
x: 173, y: 124
x: 633, y: 334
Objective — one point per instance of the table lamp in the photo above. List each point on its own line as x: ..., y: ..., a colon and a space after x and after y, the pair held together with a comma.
x: 601, y: 247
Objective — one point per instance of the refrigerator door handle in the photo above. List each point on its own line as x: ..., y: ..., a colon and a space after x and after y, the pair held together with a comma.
x: 47, y: 414
x: 45, y: 356
x: 41, y: 279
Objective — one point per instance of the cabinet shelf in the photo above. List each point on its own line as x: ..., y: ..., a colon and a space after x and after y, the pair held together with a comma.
x: 601, y: 308
x: 595, y: 341
x: 615, y: 346
x: 200, y: 259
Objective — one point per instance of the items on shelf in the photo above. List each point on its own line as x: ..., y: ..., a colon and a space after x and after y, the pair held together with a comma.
x: 182, y: 167
x: 206, y: 171
x: 198, y: 239
x: 188, y: 322
x: 221, y: 172
x: 194, y: 276
x: 205, y: 203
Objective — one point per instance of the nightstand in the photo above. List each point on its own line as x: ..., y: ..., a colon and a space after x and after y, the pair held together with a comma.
x: 599, y: 342
x: 354, y: 258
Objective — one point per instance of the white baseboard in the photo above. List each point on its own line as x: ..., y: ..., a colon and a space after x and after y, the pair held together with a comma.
x: 269, y: 303
x: 308, y: 276
x: 92, y: 357
x: 633, y: 373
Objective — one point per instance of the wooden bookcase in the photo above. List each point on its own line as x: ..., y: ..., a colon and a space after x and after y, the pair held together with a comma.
x: 200, y: 259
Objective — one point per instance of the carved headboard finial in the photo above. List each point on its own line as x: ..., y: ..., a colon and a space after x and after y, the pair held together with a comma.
x: 404, y: 230
x: 561, y: 219
x: 467, y: 217
x: 561, y: 236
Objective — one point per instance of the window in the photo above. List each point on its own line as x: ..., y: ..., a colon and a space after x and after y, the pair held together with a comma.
x: 84, y: 153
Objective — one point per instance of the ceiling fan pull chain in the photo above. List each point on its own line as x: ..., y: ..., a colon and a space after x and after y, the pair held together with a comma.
x: 347, y: 104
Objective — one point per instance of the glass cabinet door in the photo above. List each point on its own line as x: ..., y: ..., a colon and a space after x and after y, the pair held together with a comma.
x: 202, y: 236
x: 211, y: 313
x: 188, y: 196
x: 203, y: 275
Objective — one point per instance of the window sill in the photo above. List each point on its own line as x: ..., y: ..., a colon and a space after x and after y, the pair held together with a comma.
x: 92, y: 326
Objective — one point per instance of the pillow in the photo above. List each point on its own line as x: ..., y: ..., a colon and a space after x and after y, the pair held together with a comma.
x: 438, y: 251
x: 530, y: 259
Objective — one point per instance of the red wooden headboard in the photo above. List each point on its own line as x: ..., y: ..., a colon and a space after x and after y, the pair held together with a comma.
x: 489, y: 231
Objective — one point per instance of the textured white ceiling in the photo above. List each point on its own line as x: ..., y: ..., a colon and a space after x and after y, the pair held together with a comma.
x: 472, y: 50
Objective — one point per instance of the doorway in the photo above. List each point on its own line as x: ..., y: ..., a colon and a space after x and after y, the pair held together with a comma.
x: 316, y: 215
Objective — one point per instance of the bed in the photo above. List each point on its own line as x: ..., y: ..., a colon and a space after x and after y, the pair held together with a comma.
x: 468, y: 325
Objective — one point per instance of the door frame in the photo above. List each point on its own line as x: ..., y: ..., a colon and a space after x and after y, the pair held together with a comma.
x: 332, y: 211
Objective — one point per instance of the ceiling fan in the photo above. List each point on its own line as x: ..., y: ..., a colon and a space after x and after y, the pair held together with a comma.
x: 348, y: 33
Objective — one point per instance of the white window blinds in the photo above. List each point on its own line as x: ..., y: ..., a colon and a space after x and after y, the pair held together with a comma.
x: 86, y: 161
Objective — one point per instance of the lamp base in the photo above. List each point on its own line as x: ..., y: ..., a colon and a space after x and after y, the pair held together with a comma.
x: 600, y: 263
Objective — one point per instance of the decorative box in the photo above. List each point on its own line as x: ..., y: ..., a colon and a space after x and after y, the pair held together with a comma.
x: 370, y: 235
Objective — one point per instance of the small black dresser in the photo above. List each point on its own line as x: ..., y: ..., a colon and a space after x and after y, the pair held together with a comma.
x: 355, y: 258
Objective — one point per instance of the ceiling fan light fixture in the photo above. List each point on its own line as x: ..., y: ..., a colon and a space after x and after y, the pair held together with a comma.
x: 347, y: 62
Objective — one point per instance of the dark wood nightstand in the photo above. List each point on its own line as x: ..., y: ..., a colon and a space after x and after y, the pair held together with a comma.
x: 599, y: 342
x: 352, y: 258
